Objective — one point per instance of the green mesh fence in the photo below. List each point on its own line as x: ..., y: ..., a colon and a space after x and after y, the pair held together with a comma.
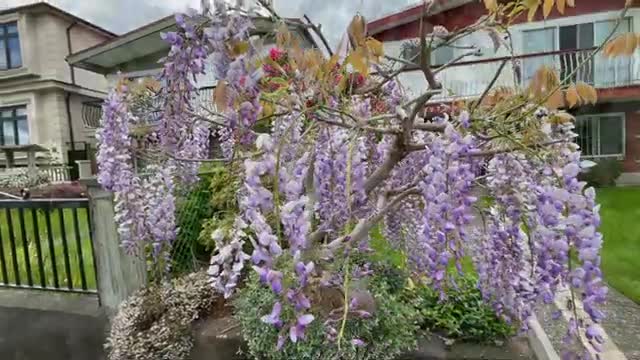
x: 193, y: 210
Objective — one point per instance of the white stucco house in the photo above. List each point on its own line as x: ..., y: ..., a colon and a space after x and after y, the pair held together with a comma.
x: 41, y: 95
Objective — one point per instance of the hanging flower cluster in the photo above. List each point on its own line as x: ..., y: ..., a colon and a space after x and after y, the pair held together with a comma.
x: 331, y: 153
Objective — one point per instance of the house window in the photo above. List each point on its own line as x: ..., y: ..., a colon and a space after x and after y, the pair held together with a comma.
x: 14, y: 129
x: 601, y: 135
x: 10, y: 55
x: 441, y: 55
x: 574, y: 43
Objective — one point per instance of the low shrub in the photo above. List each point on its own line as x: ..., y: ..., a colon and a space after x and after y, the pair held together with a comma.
x: 463, y: 315
x: 604, y: 173
x: 18, y: 178
x: 390, y: 332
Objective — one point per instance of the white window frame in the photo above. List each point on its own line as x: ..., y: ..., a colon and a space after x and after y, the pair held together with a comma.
x: 620, y: 156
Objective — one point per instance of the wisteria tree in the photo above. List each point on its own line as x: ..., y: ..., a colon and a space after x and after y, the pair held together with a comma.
x: 332, y: 147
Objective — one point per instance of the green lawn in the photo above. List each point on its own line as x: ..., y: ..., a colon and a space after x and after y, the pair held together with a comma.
x: 58, y: 248
x: 620, y: 214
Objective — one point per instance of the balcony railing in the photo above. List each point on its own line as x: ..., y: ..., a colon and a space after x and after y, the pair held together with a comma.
x: 469, y: 79
x: 92, y: 110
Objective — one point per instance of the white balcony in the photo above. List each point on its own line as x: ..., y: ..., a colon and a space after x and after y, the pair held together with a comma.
x: 469, y: 79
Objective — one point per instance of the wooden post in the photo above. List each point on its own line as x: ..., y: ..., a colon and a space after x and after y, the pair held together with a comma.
x: 119, y: 274
x: 31, y: 162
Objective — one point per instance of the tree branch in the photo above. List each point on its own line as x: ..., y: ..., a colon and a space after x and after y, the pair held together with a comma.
x: 364, y: 226
x: 489, y: 87
x: 455, y: 60
x: 396, y: 155
x: 316, y: 29
x: 508, y: 150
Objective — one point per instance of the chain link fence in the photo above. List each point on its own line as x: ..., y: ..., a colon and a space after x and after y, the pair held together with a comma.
x: 193, y: 210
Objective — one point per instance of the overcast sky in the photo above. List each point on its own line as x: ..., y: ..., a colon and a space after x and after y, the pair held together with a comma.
x: 122, y: 15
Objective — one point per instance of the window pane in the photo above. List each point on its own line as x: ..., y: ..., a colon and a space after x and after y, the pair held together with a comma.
x: 587, y: 130
x: 9, y: 134
x: 3, y: 56
x: 12, y: 28
x: 442, y: 55
x: 6, y: 114
x: 604, y: 28
x: 1, y: 30
x: 568, y: 37
x: 542, y: 40
x: 14, y: 53
x: 23, y: 132
x: 21, y: 111
x: 611, y: 135
x: 585, y: 36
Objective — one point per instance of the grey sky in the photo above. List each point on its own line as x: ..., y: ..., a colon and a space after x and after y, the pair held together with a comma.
x: 122, y: 15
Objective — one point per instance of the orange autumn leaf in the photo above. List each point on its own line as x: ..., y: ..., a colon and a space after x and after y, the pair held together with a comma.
x: 571, y: 3
x: 560, y: 4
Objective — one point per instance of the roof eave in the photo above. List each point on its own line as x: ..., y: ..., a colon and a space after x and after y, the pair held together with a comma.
x: 413, y: 15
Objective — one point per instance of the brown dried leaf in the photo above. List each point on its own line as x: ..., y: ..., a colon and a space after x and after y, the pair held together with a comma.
x: 556, y: 100
x: 610, y: 47
x: 571, y: 3
x: 544, y: 80
x: 283, y: 35
x: 625, y: 44
x: 375, y: 48
x: 587, y: 93
x: 491, y: 5
x: 358, y: 60
x: 573, y: 98
x: 547, y: 7
x: 221, y: 96
x: 562, y: 117
x: 533, y: 6
x: 357, y: 30
x: 630, y: 44
x: 237, y: 48
x: 561, y: 4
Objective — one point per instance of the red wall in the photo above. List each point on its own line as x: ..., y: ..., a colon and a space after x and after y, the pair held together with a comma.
x: 467, y: 14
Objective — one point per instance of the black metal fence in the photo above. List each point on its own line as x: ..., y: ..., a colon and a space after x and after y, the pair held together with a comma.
x: 46, y: 244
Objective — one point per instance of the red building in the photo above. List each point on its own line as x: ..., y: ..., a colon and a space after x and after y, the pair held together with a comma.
x: 609, y: 129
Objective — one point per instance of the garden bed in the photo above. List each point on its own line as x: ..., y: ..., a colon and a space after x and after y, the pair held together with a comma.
x: 220, y: 338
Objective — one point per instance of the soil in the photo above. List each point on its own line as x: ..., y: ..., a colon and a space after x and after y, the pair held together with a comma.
x: 71, y: 190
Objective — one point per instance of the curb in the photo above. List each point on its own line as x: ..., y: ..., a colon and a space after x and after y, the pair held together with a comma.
x: 539, y: 342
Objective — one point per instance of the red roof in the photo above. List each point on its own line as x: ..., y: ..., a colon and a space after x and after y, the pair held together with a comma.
x: 410, y: 14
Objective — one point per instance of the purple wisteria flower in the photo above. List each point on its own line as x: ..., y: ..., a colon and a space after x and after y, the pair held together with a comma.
x: 296, y: 332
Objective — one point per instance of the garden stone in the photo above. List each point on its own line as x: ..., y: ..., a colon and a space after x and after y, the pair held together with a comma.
x: 217, y: 339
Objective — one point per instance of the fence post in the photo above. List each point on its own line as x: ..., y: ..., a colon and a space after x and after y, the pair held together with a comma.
x: 119, y: 274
